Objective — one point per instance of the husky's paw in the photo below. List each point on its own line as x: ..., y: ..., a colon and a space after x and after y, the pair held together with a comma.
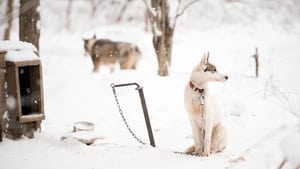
x: 190, y: 150
x: 197, y: 153
x: 205, y: 154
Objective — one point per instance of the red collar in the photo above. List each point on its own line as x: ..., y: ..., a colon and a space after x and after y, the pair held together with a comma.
x: 196, y: 89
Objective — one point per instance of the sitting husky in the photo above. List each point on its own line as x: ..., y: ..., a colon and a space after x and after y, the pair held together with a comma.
x: 205, y: 119
x: 107, y: 52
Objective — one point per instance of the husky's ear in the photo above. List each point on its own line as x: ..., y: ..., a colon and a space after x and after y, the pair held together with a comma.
x: 94, y: 37
x: 204, y: 59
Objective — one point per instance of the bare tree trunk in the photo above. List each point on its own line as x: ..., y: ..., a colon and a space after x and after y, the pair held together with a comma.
x: 69, y: 10
x: 162, y: 35
x: 163, y: 31
x: 9, y: 15
x: 147, y: 19
x: 29, y: 19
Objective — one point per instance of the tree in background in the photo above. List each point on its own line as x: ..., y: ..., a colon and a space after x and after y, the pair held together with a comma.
x: 119, y: 18
x: 9, y: 17
x: 163, y: 31
x: 95, y: 4
x: 29, y: 19
x: 69, y: 10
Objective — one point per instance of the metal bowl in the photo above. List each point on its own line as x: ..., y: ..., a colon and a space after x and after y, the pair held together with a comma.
x: 83, y: 126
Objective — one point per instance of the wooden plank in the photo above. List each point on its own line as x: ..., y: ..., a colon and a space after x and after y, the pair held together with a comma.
x: 31, y: 118
x: 12, y: 127
x: 41, y: 90
x: 2, y: 93
x: 23, y: 63
x: 2, y: 57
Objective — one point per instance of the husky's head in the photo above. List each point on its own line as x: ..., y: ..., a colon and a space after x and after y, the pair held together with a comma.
x: 88, y: 45
x: 205, y: 72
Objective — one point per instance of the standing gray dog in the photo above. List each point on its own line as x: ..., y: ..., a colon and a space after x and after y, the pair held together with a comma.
x: 110, y: 53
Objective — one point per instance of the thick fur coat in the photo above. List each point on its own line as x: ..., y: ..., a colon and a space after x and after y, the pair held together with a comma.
x: 205, y: 118
x: 109, y: 53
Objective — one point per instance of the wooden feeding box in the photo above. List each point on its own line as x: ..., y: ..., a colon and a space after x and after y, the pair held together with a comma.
x: 24, y: 85
x: 23, y: 93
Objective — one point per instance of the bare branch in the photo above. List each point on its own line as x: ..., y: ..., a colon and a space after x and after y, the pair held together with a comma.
x: 178, y: 7
x: 119, y: 18
x: 178, y: 14
x: 152, y: 17
x: 150, y: 10
x: 186, y: 6
x: 95, y: 4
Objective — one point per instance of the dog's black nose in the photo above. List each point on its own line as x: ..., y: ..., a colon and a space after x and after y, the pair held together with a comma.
x: 226, y: 77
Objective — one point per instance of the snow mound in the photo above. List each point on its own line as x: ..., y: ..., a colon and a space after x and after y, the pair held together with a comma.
x: 18, y: 51
x: 290, y: 148
x: 86, y: 137
x: 16, y: 45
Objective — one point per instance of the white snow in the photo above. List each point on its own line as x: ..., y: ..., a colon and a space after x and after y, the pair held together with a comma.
x: 258, y: 113
x: 16, y: 46
x: 5, y: 115
x: 11, y: 102
x: 23, y: 55
x: 290, y: 148
x: 18, y: 51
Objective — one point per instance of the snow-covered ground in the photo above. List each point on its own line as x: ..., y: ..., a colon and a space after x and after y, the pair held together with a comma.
x: 258, y: 112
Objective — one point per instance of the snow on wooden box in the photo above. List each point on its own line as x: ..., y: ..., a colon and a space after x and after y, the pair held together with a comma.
x: 9, y: 45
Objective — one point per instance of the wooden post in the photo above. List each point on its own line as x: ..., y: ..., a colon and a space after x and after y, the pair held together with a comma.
x: 256, y: 56
x: 2, y: 94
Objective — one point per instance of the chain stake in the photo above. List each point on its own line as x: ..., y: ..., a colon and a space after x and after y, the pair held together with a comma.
x: 146, y: 116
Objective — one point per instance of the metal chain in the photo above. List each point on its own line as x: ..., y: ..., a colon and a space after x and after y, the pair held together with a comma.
x: 124, y: 119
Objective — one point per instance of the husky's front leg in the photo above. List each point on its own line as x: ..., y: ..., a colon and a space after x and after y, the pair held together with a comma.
x: 198, y: 137
x: 207, y: 138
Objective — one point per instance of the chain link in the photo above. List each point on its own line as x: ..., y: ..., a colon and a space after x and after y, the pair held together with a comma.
x: 124, y: 119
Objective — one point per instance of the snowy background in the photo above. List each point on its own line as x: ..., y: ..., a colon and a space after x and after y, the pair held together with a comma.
x: 258, y: 113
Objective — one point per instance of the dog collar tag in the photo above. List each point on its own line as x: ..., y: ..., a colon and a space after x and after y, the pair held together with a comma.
x: 201, y: 98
